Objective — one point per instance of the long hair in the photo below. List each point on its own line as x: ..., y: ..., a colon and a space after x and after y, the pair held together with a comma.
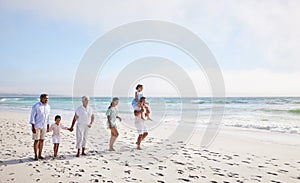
x: 113, y: 100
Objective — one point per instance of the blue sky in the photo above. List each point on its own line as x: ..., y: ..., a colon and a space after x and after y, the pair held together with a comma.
x: 255, y: 43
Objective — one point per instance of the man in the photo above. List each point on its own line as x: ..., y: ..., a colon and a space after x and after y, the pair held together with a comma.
x: 39, y: 121
x: 85, y: 118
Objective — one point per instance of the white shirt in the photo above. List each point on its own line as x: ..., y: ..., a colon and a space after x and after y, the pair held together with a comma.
x: 40, y: 115
x: 84, y: 115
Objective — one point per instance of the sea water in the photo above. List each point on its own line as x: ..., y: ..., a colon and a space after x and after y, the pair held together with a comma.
x: 275, y: 114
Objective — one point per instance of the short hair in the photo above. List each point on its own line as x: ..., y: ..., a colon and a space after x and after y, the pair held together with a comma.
x: 142, y: 98
x: 57, y: 117
x: 44, y: 95
x: 137, y: 87
x: 83, y: 98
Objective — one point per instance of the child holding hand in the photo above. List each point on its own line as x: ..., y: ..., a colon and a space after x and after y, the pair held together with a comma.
x: 56, y: 127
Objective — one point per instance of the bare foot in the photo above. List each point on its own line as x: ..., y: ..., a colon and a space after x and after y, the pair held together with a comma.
x: 111, y: 149
x: 41, y: 157
x: 139, y: 148
x: 84, y: 154
x: 77, y: 155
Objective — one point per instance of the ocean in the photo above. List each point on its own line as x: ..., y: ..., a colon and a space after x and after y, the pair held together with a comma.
x: 274, y: 114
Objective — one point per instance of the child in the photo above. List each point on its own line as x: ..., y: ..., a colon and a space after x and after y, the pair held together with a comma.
x: 56, y: 133
x: 112, y: 115
x: 137, y: 97
x: 139, y: 104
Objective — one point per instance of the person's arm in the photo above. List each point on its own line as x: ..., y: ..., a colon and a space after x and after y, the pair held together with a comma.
x: 137, y: 113
x: 108, y: 119
x: 119, y: 118
x: 73, y: 122
x: 32, y: 119
x: 136, y: 97
x: 48, y: 122
x: 51, y: 128
x: 63, y: 127
x: 92, y: 120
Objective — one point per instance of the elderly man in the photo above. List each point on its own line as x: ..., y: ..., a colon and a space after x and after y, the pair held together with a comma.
x: 85, y: 117
x: 39, y: 121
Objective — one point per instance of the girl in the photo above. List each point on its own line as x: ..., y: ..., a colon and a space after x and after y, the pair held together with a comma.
x: 56, y: 133
x: 137, y: 96
x: 112, y: 115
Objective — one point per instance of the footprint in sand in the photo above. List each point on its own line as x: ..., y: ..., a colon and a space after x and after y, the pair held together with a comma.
x: 231, y: 174
x: 276, y: 181
x: 272, y: 173
x: 184, y: 179
x: 160, y: 174
x: 244, y: 161
x: 161, y: 167
x: 282, y: 171
x: 194, y: 176
x: 220, y: 174
x: 180, y: 171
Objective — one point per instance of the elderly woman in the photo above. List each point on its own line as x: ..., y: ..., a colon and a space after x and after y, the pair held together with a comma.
x: 85, y: 117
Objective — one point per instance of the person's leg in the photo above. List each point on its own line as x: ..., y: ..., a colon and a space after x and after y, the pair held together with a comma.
x: 84, y: 140
x: 112, y: 139
x: 35, y: 148
x: 114, y: 135
x: 138, y: 141
x: 42, y: 133
x: 78, y: 139
x: 54, y: 148
x: 41, y: 145
x: 36, y: 138
x: 57, y: 146
x: 78, y: 153
x: 139, y: 128
x: 147, y: 113
x: 144, y: 135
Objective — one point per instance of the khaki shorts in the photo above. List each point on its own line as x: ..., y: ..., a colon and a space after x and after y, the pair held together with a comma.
x: 39, y: 134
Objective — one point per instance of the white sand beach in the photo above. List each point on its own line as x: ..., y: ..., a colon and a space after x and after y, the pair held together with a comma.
x: 236, y: 155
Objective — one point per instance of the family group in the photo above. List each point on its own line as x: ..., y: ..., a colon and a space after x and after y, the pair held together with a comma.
x: 84, y: 118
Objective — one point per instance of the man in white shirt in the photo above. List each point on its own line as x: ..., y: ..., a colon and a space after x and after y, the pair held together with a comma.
x: 85, y: 117
x: 39, y: 120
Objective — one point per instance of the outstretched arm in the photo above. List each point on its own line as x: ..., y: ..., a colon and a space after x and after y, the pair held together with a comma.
x: 73, y: 122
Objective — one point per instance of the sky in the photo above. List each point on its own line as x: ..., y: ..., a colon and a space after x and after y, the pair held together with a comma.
x: 256, y: 44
